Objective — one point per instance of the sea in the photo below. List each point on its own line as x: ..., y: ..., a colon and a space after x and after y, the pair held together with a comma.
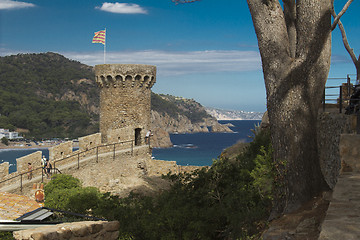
x: 198, y: 149
x: 201, y: 149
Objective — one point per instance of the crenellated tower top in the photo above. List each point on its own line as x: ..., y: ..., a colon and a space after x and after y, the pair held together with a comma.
x: 125, y: 75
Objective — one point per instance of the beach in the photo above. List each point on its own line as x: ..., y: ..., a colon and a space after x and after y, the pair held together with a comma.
x: 26, y: 145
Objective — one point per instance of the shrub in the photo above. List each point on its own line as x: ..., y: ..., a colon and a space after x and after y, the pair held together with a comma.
x: 64, y: 192
x: 230, y: 200
x: 6, y: 236
x: 60, y: 182
x: 5, y: 141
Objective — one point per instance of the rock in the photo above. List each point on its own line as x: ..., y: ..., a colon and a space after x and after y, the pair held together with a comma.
x: 160, y: 138
x: 163, y: 124
x: 265, y: 120
x: 220, y: 128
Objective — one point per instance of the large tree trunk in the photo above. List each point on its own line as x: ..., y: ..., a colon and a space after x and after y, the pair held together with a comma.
x: 295, y: 72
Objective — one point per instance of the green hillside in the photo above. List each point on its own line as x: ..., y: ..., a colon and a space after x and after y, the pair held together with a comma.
x: 174, y: 106
x: 50, y: 96
x: 38, y: 93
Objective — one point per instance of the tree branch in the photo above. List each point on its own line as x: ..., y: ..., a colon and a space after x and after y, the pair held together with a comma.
x: 290, y: 19
x: 338, y: 16
x: 344, y: 38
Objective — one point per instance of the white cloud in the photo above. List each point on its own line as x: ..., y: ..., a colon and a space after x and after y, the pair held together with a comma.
x: 178, y: 63
x: 10, y: 4
x: 123, y: 8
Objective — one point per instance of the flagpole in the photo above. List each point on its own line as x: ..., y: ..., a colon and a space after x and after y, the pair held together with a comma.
x: 105, y: 46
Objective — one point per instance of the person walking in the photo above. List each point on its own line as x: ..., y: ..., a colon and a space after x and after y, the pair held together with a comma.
x: 147, y: 137
x: 29, y: 173
x: 43, y: 164
x: 48, y: 168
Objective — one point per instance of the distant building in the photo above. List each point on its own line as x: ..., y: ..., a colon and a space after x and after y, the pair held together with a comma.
x: 9, y: 135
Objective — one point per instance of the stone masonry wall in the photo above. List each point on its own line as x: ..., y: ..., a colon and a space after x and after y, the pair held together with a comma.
x: 4, y: 170
x: 33, y: 158
x: 350, y: 153
x: 60, y: 151
x: 122, y: 134
x: 89, y: 230
x: 330, y: 127
x: 125, y: 98
x: 161, y: 167
x: 89, y: 141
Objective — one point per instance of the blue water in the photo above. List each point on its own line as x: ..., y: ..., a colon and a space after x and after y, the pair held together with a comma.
x: 10, y: 155
x: 200, y: 149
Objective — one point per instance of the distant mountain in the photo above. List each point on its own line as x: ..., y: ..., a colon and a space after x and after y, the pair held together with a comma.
x: 221, y: 114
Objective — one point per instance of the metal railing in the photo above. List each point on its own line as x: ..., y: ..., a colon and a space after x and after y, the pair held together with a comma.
x: 337, y: 92
x: 77, y: 155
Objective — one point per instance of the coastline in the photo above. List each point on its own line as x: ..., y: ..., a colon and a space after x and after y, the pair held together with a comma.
x: 9, y: 147
x: 32, y: 146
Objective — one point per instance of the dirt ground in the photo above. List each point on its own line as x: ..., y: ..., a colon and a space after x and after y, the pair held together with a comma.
x: 303, y: 224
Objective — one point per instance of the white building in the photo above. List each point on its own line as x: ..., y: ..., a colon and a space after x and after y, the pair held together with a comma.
x: 9, y: 135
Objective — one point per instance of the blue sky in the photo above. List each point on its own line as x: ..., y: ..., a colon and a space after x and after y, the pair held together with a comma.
x: 205, y: 50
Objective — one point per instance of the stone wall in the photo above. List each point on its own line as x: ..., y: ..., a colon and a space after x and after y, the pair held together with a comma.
x: 121, y: 134
x: 4, y: 170
x: 125, y: 97
x: 33, y: 158
x: 60, y: 151
x: 161, y: 167
x: 89, y: 230
x: 330, y: 127
x: 89, y: 141
x: 350, y: 153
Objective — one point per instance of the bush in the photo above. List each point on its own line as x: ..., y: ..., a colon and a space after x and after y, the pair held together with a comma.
x: 5, y: 141
x: 230, y: 200
x: 6, y: 236
x: 61, y: 182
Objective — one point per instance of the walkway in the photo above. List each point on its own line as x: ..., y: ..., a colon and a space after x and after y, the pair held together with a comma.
x: 62, y: 168
x: 342, y: 219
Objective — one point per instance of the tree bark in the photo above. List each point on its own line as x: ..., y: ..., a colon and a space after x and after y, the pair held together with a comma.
x: 295, y: 73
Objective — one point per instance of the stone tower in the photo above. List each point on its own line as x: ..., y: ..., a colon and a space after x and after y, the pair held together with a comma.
x: 125, y: 101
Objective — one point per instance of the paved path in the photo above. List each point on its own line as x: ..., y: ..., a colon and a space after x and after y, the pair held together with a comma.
x: 62, y: 168
x: 342, y: 219
x: 13, y: 206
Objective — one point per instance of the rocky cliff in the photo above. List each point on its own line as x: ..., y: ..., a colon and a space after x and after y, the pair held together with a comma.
x: 162, y: 125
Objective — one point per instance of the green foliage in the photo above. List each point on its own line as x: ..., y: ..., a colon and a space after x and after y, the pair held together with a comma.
x: 175, y: 106
x: 229, y: 200
x: 64, y: 192
x: 61, y: 181
x: 30, y: 88
x: 5, y: 141
x: 263, y: 173
x: 6, y: 236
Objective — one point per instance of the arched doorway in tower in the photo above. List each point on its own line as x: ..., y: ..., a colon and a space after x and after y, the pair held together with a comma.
x: 137, y: 136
